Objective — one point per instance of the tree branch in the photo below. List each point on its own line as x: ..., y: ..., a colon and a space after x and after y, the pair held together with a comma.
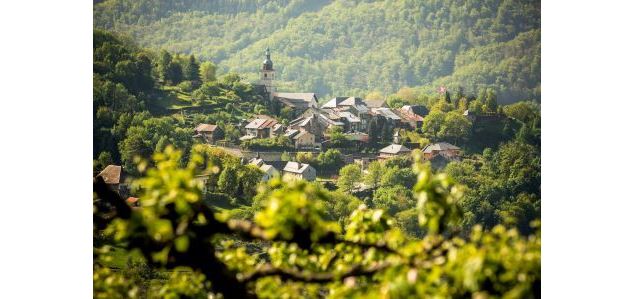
x: 304, y: 276
x: 250, y: 230
x: 200, y: 255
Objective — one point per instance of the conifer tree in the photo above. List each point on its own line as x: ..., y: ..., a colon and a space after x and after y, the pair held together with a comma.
x: 191, y: 70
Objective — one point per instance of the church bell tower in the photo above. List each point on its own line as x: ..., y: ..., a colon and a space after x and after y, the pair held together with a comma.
x: 267, y: 73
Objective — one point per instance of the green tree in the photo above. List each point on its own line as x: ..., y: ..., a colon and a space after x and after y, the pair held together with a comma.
x: 104, y: 159
x: 331, y: 159
x: 490, y: 101
x: 185, y: 86
x: 462, y: 105
x: 161, y: 144
x: 393, y: 199
x: 286, y: 113
x: 230, y: 79
x: 285, y: 156
x: 136, y: 144
x: 165, y: 58
x: 395, y: 101
x: 399, y: 162
x: 174, y: 73
x: 455, y: 127
x: 432, y: 123
x: 208, y: 91
x: 207, y: 71
x: 373, y: 175
x: 476, y: 107
x: 305, y: 157
x: 249, y: 176
x: 407, y: 94
x: 374, y: 95
x: 231, y: 133
x: 395, y: 176
x: 524, y: 111
x: 442, y: 106
x: 191, y: 70
x: 349, y: 176
x: 337, y: 137
x: 228, y: 179
x: 408, y: 221
x: 446, y: 97
x: 143, y: 66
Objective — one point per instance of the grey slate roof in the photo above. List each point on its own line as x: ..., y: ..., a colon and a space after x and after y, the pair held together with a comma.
x: 416, y: 109
x: 257, y: 161
x: 329, y: 122
x: 387, y: 113
x: 291, y: 132
x: 441, y: 146
x: 305, y: 96
x: 300, y: 122
x: 277, y: 127
x: 296, y: 99
x: 350, y: 117
x: 341, y: 102
x: 302, y: 133
x: 269, y: 169
x: 394, y: 149
x: 296, y: 167
x: 375, y: 103
x: 334, y: 102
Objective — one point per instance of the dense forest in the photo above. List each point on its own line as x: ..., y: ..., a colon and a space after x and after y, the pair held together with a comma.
x: 350, y: 47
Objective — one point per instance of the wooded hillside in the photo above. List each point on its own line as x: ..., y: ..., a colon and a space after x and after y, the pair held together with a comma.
x: 350, y: 47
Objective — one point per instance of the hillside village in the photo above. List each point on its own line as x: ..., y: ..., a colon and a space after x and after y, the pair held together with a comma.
x: 313, y: 127
x: 251, y: 132
x: 362, y: 130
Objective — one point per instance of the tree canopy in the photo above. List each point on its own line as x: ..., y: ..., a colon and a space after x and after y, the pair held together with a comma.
x: 307, y: 254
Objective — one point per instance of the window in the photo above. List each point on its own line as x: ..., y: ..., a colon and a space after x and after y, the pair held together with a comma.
x: 265, y: 75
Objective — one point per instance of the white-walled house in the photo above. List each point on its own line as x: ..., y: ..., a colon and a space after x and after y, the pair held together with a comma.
x: 299, y: 171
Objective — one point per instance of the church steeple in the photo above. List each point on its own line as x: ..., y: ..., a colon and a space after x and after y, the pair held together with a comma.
x: 267, y: 73
x: 267, y: 64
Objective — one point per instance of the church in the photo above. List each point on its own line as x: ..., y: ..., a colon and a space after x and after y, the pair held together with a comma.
x: 297, y: 101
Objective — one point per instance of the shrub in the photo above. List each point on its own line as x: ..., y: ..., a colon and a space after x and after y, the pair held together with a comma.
x: 186, y: 86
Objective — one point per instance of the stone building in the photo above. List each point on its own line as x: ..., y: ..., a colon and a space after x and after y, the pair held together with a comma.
x: 299, y: 171
x: 441, y: 148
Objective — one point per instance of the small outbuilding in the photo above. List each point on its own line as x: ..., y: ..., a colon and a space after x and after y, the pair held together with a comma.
x: 209, y: 133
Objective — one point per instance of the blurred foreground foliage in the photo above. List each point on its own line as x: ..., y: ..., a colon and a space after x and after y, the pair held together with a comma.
x: 292, y: 249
